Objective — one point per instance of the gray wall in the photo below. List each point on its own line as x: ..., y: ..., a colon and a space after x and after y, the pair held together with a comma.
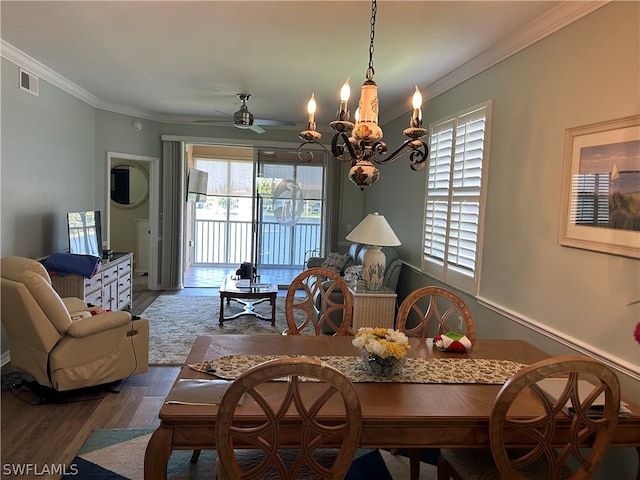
x: 562, y: 299
x: 569, y: 79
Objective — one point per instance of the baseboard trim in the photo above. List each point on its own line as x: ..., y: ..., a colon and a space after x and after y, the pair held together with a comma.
x: 5, y: 358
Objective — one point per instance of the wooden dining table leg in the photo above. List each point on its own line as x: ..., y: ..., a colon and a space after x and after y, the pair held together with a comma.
x: 157, y: 453
x: 414, y: 463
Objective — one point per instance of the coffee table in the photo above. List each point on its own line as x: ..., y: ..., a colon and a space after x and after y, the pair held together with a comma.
x: 256, y: 291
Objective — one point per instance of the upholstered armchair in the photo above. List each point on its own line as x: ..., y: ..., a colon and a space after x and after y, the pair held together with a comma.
x: 60, y: 342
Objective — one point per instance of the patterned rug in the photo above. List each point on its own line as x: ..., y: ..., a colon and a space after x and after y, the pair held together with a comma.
x: 176, y: 321
x: 118, y: 455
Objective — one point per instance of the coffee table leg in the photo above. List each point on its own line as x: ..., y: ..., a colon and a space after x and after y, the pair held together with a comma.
x: 221, y: 319
x: 272, y: 298
x: 157, y: 454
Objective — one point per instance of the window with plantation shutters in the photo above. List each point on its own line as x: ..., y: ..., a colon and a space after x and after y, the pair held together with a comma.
x: 454, y: 197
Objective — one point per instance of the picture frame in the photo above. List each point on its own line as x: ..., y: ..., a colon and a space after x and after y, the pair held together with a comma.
x: 600, y: 203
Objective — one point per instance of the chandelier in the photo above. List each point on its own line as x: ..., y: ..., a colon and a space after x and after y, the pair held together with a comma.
x: 360, y: 142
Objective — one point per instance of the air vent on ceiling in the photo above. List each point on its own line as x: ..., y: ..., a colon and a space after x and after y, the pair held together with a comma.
x: 28, y: 82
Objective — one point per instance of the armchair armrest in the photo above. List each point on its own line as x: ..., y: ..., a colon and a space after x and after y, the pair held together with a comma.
x: 84, y: 327
x: 74, y: 304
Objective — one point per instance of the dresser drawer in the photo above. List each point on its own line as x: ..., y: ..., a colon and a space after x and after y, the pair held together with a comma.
x: 94, y: 298
x: 124, y: 299
x: 109, y: 275
x: 124, y: 283
x: 124, y: 267
x: 93, y: 283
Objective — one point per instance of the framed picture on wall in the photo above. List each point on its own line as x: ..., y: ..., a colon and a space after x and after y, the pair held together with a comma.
x: 600, y: 207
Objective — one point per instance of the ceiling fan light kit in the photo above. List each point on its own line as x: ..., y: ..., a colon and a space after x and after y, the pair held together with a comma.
x: 243, y: 118
x: 362, y: 140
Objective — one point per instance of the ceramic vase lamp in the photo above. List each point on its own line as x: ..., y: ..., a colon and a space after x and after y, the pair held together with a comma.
x: 375, y: 232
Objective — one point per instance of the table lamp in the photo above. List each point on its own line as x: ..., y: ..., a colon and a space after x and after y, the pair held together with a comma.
x: 375, y: 232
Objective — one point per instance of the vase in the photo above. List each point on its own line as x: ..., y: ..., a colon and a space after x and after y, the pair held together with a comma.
x: 381, y: 366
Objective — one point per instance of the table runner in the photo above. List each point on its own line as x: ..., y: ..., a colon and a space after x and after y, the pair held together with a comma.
x: 416, y: 370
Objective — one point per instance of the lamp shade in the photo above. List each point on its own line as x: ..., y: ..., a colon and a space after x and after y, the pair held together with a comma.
x: 374, y: 230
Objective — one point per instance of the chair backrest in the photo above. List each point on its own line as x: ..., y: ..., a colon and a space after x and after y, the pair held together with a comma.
x: 318, y: 298
x: 582, y: 380
x: 33, y: 315
x: 427, y: 303
x: 328, y: 408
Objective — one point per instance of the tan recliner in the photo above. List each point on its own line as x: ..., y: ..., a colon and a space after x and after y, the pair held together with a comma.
x: 50, y: 341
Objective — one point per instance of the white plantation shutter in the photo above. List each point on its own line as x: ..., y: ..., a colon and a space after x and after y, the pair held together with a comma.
x: 454, y: 191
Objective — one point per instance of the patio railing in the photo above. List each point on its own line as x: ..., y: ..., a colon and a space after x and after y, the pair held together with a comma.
x: 229, y: 242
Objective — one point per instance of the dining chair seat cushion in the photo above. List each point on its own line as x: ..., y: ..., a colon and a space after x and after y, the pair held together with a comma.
x: 478, y: 464
x: 252, y: 458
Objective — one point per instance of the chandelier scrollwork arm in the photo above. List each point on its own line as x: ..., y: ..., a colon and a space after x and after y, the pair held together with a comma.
x: 418, y: 153
x: 306, y: 155
x: 337, y: 149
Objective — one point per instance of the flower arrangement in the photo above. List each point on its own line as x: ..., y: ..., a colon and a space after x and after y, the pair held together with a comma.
x: 383, y: 342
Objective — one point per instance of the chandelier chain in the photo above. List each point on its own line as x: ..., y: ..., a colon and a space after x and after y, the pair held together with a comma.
x: 374, y: 11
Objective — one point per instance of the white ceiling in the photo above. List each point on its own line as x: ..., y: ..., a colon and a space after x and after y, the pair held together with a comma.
x: 177, y: 61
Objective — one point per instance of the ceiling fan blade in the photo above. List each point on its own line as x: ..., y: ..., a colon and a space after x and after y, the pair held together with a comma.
x: 263, y: 121
x: 257, y: 128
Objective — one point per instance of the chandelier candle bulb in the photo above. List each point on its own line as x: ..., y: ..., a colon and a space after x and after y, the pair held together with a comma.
x: 311, y: 108
x: 345, y: 93
x: 416, y: 118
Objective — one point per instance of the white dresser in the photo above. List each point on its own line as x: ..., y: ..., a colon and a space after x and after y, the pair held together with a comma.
x: 110, y: 288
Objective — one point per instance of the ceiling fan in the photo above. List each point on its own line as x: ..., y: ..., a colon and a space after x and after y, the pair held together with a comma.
x: 244, y: 119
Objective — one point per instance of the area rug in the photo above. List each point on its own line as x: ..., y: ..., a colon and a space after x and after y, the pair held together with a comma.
x: 176, y: 321
x: 118, y: 454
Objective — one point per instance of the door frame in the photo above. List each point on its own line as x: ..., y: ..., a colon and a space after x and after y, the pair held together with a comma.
x: 154, y: 207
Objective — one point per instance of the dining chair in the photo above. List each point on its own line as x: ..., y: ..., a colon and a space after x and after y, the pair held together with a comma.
x: 583, y: 382
x: 427, y: 303
x: 324, y: 401
x: 414, y: 315
x: 312, y: 304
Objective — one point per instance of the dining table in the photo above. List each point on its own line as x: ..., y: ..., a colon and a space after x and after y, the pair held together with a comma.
x: 447, y: 409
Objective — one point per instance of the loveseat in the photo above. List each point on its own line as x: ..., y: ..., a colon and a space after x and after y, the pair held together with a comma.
x: 340, y: 262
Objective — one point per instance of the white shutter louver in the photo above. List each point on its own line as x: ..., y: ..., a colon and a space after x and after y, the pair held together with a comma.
x: 454, y: 189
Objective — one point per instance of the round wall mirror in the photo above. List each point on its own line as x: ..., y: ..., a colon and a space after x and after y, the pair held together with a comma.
x: 129, y: 185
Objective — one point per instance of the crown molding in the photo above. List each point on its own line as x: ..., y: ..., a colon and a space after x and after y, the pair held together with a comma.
x: 550, y: 22
x: 23, y: 60
x: 564, y: 14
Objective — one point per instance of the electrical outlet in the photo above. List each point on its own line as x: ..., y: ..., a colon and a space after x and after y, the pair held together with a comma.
x: 460, y: 327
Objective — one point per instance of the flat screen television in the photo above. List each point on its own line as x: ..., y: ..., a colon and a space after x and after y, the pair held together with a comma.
x: 85, y: 233
x: 197, y: 185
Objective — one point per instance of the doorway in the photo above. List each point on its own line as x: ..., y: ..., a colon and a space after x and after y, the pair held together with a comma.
x: 132, y: 211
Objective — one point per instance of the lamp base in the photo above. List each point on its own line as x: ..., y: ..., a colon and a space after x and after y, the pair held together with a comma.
x: 373, y: 266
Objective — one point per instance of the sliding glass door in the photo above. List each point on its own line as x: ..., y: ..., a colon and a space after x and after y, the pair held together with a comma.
x: 262, y: 206
x: 290, y: 212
